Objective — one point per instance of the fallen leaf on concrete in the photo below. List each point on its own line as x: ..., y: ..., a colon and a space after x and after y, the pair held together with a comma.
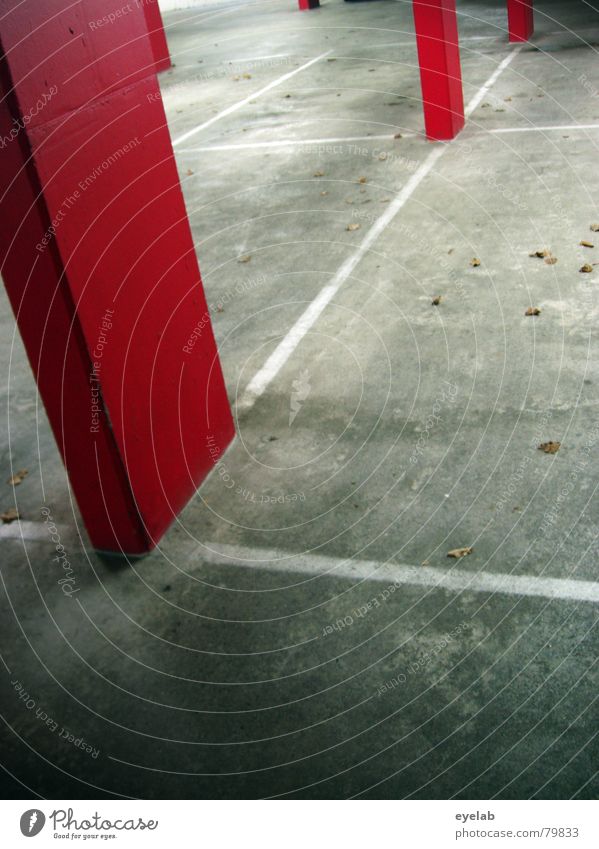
x: 247, y: 76
x: 324, y: 193
x: 425, y: 563
x: 245, y: 258
x: 550, y: 260
x: 533, y: 311
x: 595, y: 228
x: 236, y: 77
x: 586, y: 268
x: 541, y: 254
x: 584, y: 244
x: 9, y: 516
x: 18, y: 477
x: 287, y: 95
x: 362, y: 179
x: 220, y: 308
x: 475, y: 262
x: 450, y: 251
x: 189, y: 172
x: 331, y: 59
x: 397, y: 136
x: 460, y: 552
x: 385, y: 200
x: 382, y: 156
x: 507, y: 99
x: 550, y: 447
x: 319, y: 173
x: 352, y: 227
x: 484, y: 105
x: 348, y: 200
x: 436, y: 300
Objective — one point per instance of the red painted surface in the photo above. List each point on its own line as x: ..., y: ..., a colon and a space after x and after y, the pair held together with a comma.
x: 309, y: 4
x: 520, y: 19
x: 440, y: 69
x: 110, y: 301
x: 162, y: 57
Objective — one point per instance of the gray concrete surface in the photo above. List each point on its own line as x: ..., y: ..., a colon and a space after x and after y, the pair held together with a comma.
x: 273, y: 645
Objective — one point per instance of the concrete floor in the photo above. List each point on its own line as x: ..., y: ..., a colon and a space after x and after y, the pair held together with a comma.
x: 285, y: 639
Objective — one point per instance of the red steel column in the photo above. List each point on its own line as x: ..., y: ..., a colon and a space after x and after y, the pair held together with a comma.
x: 309, y: 4
x: 162, y: 57
x: 99, y: 264
x: 440, y: 69
x: 520, y: 18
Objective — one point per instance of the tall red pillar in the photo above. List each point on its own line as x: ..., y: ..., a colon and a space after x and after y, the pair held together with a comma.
x: 520, y: 18
x: 99, y: 264
x: 440, y: 70
x: 162, y: 57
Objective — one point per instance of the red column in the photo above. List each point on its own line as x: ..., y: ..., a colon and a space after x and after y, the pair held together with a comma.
x: 309, y: 4
x: 520, y: 19
x: 440, y: 69
x: 162, y: 57
x: 99, y: 263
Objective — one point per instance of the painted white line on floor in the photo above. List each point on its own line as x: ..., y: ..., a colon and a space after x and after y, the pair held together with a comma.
x: 452, y: 579
x: 291, y: 143
x: 554, y: 127
x: 28, y: 531
x: 306, y: 321
x: 230, y: 109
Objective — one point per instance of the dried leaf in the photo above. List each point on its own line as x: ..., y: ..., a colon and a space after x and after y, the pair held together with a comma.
x: 319, y: 173
x: 245, y: 258
x: 584, y: 244
x: 287, y: 95
x: 474, y: 262
x: 18, y: 477
x: 397, y: 136
x: 331, y: 59
x: 595, y: 228
x: 507, y: 99
x: 352, y: 227
x: 220, y: 308
x: 484, y: 105
x: 189, y: 172
x: 541, y: 254
x: 436, y: 300
x: 533, y: 311
x: 382, y: 156
x: 362, y: 179
x: 324, y: 193
x: 550, y: 447
x: 586, y: 268
x: 385, y: 200
x: 348, y: 200
x: 9, y: 516
x: 550, y: 260
x: 460, y: 552
x: 247, y: 76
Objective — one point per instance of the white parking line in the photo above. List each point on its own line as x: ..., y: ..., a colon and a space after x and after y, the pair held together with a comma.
x: 310, y: 316
x: 230, y: 109
x: 554, y: 128
x: 291, y: 143
x: 452, y: 579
